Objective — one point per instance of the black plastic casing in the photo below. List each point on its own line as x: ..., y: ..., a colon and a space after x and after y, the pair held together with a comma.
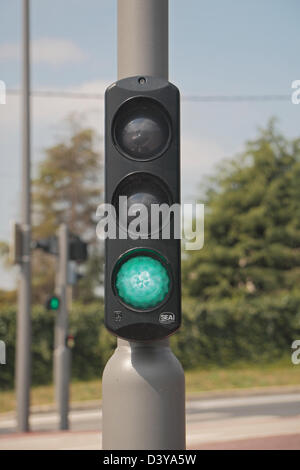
x: 165, y: 319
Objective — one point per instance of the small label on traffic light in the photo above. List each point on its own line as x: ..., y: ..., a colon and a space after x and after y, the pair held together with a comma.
x: 118, y: 316
x: 166, y: 318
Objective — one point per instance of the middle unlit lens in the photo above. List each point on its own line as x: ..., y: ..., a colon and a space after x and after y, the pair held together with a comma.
x: 141, y: 188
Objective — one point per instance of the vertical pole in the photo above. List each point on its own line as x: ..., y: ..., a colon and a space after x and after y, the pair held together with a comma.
x: 23, y: 354
x: 143, y: 382
x: 62, y: 357
x: 143, y: 38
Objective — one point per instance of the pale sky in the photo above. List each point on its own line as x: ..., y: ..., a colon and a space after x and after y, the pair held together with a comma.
x: 217, y: 47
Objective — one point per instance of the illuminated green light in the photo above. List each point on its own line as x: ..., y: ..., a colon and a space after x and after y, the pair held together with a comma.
x: 54, y: 303
x: 142, y: 282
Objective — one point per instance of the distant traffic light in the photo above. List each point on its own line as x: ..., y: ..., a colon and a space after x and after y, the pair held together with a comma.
x: 53, y: 303
x: 77, y: 248
x: 70, y: 341
x: 142, y: 273
x: 16, y: 244
x: 48, y: 245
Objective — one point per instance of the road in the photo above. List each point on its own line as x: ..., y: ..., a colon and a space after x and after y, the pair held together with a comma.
x: 262, y: 421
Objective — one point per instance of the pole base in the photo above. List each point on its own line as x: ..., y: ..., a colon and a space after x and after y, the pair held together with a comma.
x: 143, y: 398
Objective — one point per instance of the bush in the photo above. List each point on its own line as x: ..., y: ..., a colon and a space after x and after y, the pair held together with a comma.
x: 213, y: 333
x: 93, y: 345
x: 228, y: 331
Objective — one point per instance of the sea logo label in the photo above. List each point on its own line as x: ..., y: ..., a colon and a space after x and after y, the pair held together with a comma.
x: 166, y: 318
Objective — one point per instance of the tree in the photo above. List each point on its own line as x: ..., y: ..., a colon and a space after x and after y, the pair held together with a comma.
x: 69, y: 185
x: 68, y: 189
x: 241, y: 291
x: 252, y: 224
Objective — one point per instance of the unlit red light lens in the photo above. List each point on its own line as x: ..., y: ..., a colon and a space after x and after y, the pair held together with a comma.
x: 141, y: 129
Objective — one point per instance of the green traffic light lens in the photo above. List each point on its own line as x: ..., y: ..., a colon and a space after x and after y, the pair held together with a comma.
x: 142, y: 282
x: 54, y: 303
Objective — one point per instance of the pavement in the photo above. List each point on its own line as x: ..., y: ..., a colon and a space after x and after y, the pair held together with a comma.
x: 259, y: 421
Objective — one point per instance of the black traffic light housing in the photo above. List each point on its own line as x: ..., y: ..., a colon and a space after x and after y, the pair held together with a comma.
x: 142, y: 162
x: 48, y: 245
x: 78, y: 249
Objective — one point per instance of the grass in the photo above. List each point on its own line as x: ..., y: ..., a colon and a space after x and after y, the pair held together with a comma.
x: 44, y: 394
x: 240, y: 376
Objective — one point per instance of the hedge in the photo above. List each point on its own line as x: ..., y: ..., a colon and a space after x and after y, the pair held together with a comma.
x: 93, y: 344
x: 259, y: 329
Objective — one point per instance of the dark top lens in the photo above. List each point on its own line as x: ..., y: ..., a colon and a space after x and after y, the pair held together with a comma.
x: 141, y: 129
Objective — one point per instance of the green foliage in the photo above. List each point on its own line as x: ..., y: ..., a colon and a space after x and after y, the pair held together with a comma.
x: 69, y: 184
x: 252, y: 225
x: 93, y: 344
x: 233, y: 330
x: 68, y: 189
x: 241, y: 294
x: 241, y: 290
x: 8, y: 335
x: 217, y: 333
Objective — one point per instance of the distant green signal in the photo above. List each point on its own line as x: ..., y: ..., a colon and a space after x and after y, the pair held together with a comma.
x: 53, y: 303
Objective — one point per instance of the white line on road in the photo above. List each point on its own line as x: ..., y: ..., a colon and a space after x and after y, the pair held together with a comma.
x: 192, y: 407
x: 53, y: 418
x: 243, y: 401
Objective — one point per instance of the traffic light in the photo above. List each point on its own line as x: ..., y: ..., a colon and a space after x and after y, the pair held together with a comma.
x: 16, y: 244
x: 142, y: 161
x: 53, y: 303
x: 48, y: 245
x: 77, y: 249
x: 70, y: 341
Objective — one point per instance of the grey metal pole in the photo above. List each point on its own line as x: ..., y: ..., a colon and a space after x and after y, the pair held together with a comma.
x: 23, y: 346
x: 62, y: 355
x: 143, y: 33
x: 143, y: 383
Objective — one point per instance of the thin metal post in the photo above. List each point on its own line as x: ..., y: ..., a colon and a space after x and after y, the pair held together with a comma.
x: 23, y: 354
x: 62, y: 356
x: 143, y: 383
